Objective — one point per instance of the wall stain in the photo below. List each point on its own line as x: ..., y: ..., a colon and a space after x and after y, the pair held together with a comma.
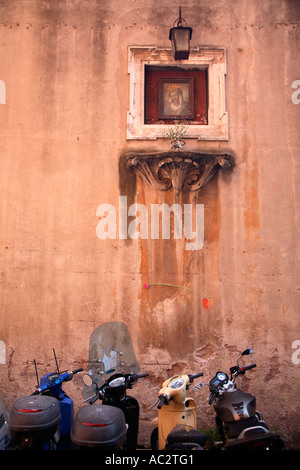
x: 251, y: 212
x: 172, y: 318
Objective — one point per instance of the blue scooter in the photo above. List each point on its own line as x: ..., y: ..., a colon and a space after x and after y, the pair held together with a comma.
x: 43, y: 420
x: 51, y: 384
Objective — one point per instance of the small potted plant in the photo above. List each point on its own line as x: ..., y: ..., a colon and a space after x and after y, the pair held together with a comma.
x: 176, y: 134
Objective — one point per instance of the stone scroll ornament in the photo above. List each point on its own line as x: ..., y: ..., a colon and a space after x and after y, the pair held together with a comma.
x: 180, y: 170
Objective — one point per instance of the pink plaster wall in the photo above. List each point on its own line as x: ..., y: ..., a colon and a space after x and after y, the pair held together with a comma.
x: 62, y: 146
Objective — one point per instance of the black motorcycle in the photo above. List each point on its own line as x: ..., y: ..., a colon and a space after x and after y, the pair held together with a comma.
x: 239, y: 424
x: 113, y: 425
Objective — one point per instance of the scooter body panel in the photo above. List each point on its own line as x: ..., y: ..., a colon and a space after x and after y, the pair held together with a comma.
x: 175, y: 414
x: 67, y: 415
x: 66, y: 422
x: 66, y: 410
x: 235, y: 406
x: 131, y: 409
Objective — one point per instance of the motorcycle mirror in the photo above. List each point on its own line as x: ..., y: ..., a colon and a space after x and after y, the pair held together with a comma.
x: 87, y: 380
x: 247, y: 351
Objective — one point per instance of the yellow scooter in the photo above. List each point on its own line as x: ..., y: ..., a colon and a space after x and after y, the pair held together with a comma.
x: 177, y: 417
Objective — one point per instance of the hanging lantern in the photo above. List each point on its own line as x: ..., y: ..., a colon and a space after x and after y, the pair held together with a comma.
x: 180, y: 37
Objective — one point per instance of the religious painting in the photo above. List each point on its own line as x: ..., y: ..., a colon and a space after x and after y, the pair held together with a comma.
x: 176, y: 98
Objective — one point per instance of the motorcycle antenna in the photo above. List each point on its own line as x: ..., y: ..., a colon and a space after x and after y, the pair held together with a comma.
x: 56, y: 361
x: 36, y: 373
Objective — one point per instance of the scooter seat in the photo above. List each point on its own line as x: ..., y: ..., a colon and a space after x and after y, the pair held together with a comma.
x: 183, y: 434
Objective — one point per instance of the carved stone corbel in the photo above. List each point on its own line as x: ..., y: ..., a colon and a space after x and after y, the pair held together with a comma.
x: 180, y: 170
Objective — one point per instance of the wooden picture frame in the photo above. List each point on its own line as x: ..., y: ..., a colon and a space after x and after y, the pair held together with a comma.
x: 176, y: 98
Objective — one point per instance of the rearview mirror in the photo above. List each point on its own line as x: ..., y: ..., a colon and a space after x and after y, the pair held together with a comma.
x: 247, y: 351
x: 87, y: 380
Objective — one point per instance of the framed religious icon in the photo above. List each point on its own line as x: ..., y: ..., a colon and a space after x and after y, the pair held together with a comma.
x: 176, y: 98
x: 147, y: 66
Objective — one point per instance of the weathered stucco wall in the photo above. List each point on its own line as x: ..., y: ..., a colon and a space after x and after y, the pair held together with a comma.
x: 64, y: 101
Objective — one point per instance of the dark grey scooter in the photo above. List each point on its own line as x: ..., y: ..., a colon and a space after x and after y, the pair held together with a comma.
x: 240, y: 425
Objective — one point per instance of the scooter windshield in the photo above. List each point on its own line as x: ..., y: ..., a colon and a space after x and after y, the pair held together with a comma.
x: 110, y: 352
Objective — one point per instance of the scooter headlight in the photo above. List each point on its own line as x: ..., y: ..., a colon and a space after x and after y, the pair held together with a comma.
x: 177, y: 383
x: 117, y: 382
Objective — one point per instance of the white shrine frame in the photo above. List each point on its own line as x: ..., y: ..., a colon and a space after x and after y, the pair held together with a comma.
x: 213, y: 59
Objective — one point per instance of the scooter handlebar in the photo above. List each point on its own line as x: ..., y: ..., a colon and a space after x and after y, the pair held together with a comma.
x: 244, y: 368
x: 135, y: 377
x: 194, y: 376
x: 132, y: 379
x: 162, y: 400
x: 76, y: 371
x: 64, y: 376
x: 92, y: 400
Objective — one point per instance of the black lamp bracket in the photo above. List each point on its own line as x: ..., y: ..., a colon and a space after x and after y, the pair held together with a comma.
x: 179, y: 20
